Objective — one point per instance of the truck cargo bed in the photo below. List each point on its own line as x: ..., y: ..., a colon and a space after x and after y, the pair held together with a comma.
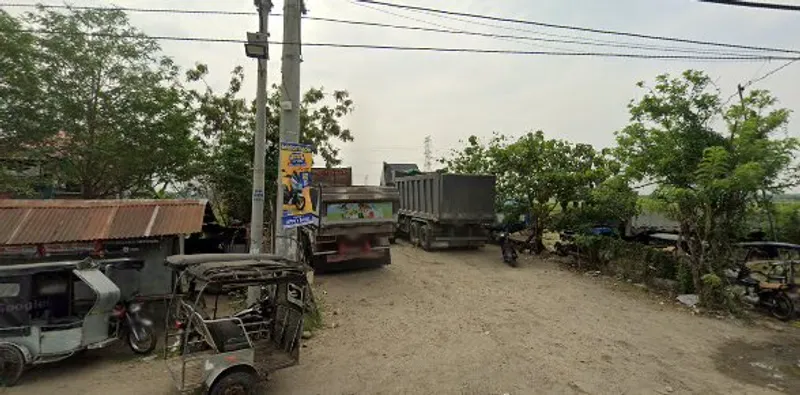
x: 448, y: 197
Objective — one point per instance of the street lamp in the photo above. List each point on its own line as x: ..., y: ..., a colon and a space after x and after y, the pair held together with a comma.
x: 257, y: 45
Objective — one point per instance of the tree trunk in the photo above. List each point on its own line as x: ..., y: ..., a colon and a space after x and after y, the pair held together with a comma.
x: 695, y: 261
x: 534, y: 241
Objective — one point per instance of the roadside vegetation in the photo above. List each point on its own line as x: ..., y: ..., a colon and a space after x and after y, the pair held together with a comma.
x: 96, y: 105
x: 716, y: 167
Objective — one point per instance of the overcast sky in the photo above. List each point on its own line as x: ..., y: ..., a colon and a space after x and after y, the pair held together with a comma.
x: 401, y: 97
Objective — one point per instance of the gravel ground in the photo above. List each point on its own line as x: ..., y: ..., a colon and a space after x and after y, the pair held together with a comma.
x: 463, y: 323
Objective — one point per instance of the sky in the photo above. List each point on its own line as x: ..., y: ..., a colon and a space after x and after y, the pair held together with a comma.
x: 401, y: 97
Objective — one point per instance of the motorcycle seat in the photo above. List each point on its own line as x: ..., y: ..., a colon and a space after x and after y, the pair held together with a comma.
x: 773, y: 286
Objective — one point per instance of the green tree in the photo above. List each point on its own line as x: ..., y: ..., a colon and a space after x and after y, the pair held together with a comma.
x: 227, y: 122
x: 19, y: 89
x: 537, y: 173
x: 707, y: 179
x: 114, y: 104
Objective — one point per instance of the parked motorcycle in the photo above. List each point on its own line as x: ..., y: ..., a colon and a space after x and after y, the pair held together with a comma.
x: 508, y: 250
x: 772, y: 296
x: 127, y: 322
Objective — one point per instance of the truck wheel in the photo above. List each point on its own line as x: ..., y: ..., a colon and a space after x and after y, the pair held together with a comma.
x: 12, y: 363
x: 414, y: 234
x: 239, y: 383
x: 425, y: 237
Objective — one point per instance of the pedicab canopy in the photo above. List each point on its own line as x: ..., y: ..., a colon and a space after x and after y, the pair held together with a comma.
x: 28, y: 290
x: 235, y: 268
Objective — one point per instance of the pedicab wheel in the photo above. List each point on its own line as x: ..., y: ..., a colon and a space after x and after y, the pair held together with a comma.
x: 783, y: 307
x: 236, y: 383
x: 12, y: 364
x: 146, y: 343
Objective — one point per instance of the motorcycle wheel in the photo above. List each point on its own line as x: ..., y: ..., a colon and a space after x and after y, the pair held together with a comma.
x: 782, y: 307
x: 146, y: 343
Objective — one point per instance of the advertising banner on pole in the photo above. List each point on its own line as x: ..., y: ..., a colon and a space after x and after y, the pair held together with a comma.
x: 296, y: 161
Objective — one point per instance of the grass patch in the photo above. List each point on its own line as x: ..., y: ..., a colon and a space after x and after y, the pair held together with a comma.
x: 314, y: 319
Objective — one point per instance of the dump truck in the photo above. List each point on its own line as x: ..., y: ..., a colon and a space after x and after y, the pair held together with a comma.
x: 354, y: 222
x: 440, y: 210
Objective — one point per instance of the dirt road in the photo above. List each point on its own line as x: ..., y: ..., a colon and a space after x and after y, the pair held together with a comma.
x: 463, y: 323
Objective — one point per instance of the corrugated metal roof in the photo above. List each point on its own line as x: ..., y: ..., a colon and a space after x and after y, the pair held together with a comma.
x: 55, y: 221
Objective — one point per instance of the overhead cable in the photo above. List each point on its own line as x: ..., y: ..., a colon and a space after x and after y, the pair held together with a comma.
x: 444, y: 30
x: 579, y: 28
x: 753, y: 4
x: 432, y: 49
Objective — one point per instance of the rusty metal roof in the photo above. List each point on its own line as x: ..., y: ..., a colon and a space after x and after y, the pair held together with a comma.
x: 55, y: 221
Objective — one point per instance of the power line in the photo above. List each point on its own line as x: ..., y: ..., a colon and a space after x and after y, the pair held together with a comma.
x: 770, y: 73
x: 509, y: 38
x: 131, y: 9
x: 569, y: 39
x: 432, y: 49
x: 445, y: 30
x: 759, y: 79
x: 563, y: 38
x: 753, y: 4
x: 578, y: 28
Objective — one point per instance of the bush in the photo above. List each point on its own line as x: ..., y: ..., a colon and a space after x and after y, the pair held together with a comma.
x: 633, y: 261
x: 717, y: 295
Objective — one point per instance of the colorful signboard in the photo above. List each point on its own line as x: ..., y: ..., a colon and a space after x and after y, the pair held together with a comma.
x: 296, y: 161
x: 349, y: 211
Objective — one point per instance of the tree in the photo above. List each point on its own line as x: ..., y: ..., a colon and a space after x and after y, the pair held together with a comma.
x: 707, y: 179
x: 537, y: 173
x: 19, y: 87
x: 227, y: 122
x: 106, y: 94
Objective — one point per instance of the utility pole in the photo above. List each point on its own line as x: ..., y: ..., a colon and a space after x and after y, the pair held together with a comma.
x: 257, y: 215
x: 258, y: 42
x: 290, y: 112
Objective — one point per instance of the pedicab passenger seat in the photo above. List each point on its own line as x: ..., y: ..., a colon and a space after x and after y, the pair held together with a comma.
x: 227, y: 335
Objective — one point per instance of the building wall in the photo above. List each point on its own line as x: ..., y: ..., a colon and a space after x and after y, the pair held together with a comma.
x: 155, y: 279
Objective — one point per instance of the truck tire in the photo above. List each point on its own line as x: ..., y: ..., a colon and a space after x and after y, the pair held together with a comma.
x: 413, y: 235
x: 425, y: 237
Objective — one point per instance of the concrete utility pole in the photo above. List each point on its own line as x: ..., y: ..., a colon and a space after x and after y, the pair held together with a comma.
x: 257, y: 215
x: 290, y: 111
x: 257, y: 212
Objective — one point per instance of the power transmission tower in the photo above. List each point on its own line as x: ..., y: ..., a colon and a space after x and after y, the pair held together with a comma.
x: 428, y: 154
